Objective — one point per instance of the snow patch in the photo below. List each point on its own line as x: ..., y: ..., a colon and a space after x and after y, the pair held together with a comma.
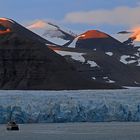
x: 124, y: 60
x: 105, y: 77
x: 73, y: 44
x: 92, y: 63
x: 108, y: 80
x: 74, y: 55
x: 56, y: 40
x: 139, y: 49
x: 137, y: 54
x: 136, y: 83
x: 109, y: 53
x: 138, y: 63
x: 94, y: 78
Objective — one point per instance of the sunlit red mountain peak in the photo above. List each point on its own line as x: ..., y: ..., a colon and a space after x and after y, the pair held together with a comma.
x: 3, y: 28
x: 5, y: 31
x: 136, y: 34
x: 6, y: 19
x: 93, y: 34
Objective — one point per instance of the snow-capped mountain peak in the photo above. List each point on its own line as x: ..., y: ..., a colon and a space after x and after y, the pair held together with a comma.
x: 40, y: 24
x: 51, y: 32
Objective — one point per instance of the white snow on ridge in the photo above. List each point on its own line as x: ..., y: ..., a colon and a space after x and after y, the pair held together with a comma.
x: 124, y: 57
x: 56, y: 40
x: 48, y: 31
x: 74, y: 55
x: 40, y: 24
x: 92, y: 63
x: 109, y: 53
x: 73, y: 44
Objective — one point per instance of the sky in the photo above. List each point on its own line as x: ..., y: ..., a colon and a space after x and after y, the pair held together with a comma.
x: 110, y: 16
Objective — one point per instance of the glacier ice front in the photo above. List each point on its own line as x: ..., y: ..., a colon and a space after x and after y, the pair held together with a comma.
x: 70, y: 106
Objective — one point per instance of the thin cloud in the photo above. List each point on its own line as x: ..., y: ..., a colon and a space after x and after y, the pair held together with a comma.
x: 118, y: 16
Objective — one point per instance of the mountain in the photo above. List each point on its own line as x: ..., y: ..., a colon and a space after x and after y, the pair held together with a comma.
x: 94, y: 39
x: 119, y: 65
x: 27, y: 63
x: 51, y: 32
x: 58, y: 32
x: 102, y: 58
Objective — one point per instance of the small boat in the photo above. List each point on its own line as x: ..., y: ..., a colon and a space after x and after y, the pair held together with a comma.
x: 12, y: 126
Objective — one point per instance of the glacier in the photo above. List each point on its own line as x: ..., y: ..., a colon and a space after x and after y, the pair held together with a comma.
x: 70, y: 106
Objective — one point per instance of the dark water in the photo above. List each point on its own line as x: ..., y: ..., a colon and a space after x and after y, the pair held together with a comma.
x: 74, y: 131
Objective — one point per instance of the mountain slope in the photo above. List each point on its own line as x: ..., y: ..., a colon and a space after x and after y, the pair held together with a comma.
x: 120, y: 65
x: 27, y: 63
x: 22, y: 31
x: 51, y: 32
x: 94, y: 39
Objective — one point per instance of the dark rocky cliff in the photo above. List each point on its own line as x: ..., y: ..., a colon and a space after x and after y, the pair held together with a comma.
x: 27, y: 63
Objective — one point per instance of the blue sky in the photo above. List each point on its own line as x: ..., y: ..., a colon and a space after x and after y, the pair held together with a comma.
x: 69, y: 13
